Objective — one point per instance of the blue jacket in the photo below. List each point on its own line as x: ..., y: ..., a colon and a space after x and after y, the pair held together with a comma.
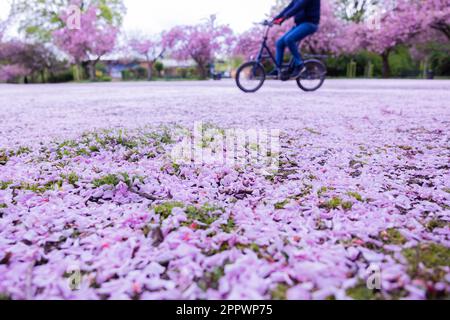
x: 303, y: 11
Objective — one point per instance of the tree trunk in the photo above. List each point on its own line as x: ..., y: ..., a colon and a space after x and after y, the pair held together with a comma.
x: 76, y: 70
x: 149, y: 70
x: 202, y: 71
x: 43, y: 76
x: 386, y: 66
x: 93, y: 69
x: 442, y: 27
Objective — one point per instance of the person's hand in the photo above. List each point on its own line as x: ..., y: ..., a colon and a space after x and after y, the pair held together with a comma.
x: 278, y: 21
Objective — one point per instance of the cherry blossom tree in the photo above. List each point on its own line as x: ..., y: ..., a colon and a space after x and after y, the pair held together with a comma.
x: 201, y: 43
x: 436, y: 15
x: 152, y: 50
x: 12, y: 72
x: 39, y: 19
x: 398, y: 24
x: 29, y: 59
x: 92, y: 40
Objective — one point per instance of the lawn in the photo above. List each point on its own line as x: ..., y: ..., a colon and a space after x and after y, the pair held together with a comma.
x: 91, y: 200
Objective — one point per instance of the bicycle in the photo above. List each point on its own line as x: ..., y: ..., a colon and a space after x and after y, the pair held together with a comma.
x: 251, y: 76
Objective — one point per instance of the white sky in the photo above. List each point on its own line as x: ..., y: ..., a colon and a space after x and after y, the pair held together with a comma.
x: 154, y: 16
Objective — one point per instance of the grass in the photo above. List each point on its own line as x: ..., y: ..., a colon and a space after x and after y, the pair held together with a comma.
x: 393, y: 236
x: 280, y: 292
x: 336, y: 203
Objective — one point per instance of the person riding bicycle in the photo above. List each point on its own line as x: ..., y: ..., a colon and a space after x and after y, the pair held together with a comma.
x: 307, y: 19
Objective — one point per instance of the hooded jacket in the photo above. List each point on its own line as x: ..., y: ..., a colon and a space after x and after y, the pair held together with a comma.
x: 303, y: 11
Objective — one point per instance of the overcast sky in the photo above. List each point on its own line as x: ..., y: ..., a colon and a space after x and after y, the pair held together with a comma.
x: 157, y: 15
x: 153, y: 16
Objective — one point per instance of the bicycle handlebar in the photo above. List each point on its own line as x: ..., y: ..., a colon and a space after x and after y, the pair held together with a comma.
x: 267, y: 23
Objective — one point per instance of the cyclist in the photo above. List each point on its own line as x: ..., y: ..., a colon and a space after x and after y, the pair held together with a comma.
x: 307, y: 19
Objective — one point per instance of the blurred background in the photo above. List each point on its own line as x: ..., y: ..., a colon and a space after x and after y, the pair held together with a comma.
x: 127, y: 40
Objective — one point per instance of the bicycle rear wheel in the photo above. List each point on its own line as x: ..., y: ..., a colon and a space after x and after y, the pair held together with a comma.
x: 250, y: 77
x: 313, y: 77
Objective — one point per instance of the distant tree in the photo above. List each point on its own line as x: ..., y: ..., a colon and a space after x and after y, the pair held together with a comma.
x: 94, y: 39
x: 12, y: 72
x: 152, y: 50
x: 201, y: 43
x: 396, y: 26
x: 38, y: 19
x: 34, y: 59
x: 436, y: 15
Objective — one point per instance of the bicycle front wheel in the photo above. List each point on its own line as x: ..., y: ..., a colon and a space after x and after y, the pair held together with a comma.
x: 313, y: 77
x: 250, y: 77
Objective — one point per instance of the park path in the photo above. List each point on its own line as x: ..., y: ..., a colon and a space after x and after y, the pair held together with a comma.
x: 49, y: 111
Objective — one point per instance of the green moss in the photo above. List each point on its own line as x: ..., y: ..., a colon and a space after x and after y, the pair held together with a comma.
x: 332, y: 204
x: 436, y: 224
x: 52, y: 185
x: 280, y: 292
x: 177, y: 168
x: 356, y: 196
x: 347, y: 205
x: 255, y: 248
x: 94, y: 148
x: 3, y: 206
x: 393, y: 236
x: 4, y: 297
x: 361, y: 292
x: 206, y: 214
x: 161, y: 137
x: 229, y: 227
x: 5, y: 184
x: 322, y: 191
x: 433, y: 256
x: 165, y: 210
x: 37, y: 188
x: 82, y: 152
x: 281, y: 205
x: 72, y: 178
x: 3, y: 158
x: 22, y: 150
x: 447, y: 190
x: 111, y: 180
x: 210, y: 280
x: 64, y: 148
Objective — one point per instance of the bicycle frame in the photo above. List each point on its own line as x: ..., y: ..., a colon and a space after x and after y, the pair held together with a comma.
x: 264, y: 47
x: 266, y: 53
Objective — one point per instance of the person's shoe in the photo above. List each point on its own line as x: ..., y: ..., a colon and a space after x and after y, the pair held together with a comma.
x: 297, y: 71
x: 273, y: 73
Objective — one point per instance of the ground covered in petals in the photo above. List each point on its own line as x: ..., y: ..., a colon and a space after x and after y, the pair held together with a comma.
x: 91, y: 200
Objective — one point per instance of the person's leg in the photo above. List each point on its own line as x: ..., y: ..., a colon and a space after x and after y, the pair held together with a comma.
x: 295, y: 36
x: 281, y: 47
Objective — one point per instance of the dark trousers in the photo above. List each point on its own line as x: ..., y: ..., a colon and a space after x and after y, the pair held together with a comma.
x: 291, y: 40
